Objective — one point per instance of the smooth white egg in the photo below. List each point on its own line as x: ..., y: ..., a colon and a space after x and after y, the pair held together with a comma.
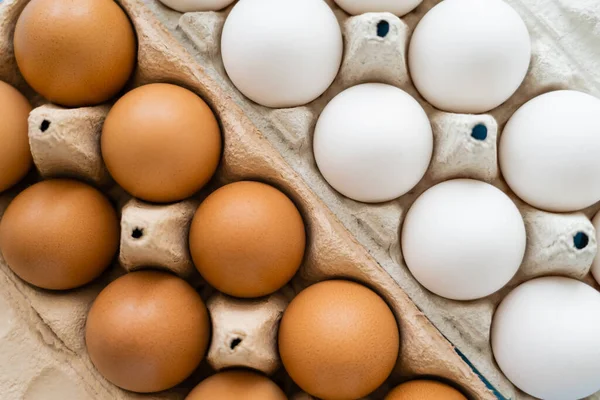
x: 550, y: 151
x: 397, y: 7
x: 545, y: 338
x: 282, y: 53
x: 596, y: 263
x: 196, y: 5
x: 373, y: 142
x: 463, y: 239
x: 469, y: 56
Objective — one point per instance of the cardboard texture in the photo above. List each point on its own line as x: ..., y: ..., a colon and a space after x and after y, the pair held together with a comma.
x: 41, y: 332
x: 563, y: 34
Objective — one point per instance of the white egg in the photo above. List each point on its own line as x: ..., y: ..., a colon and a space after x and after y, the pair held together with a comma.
x: 545, y: 337
x: 550, y: 151
x: 373, y: 142
x: 596, y: 263
x: 282, y: 53
x: 397, y: 7
x: 196, y: 5
x: 469, y: 56
x: 463, y: 239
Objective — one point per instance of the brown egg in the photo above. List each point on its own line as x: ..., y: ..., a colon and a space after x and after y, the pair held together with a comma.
x: 247, y: 239
x: 147, y: 331
x: 75, y: 52
x: 15, y: 157
x: 161, y: 143
x: 59, y: 234
x: 424, y: 390
x: 237, y: 385
x: 338, y: 340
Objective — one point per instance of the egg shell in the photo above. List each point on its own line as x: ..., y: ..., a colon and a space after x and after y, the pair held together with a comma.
x: 247, y: 239
x: 59, y: 234
x: 549, y: 151
x: 287, y: 62
x: 338, y: 340
x: 455, y: 247
x: 469, y: 56
x: 75, y: 52
x: 161, y: 143
x: 397, y: 7
x: 15, y: 157
x: 147, y: 331
x: 196, y: 5
x: 237, y: 385
x: 373, y: 142
x: 545, y: 338
x: 424, y: 390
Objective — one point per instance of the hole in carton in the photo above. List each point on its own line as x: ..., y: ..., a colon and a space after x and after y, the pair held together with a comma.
x: 383, y: 28
x: 137, y: 233
x: 580, y: 240
x: 235, y: 343
x: 479, y: 132
x: 45, y: 125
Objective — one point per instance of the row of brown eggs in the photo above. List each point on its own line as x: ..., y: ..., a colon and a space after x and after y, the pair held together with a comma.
x: 148, y: 330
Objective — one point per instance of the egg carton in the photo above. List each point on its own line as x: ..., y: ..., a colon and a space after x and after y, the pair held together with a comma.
x: 42, y: 345
x: 561, y: 59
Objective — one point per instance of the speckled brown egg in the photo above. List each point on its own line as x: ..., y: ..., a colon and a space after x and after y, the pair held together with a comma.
x: 338, y: 340
x: 147, y: 331
x: 247, y: 239
x: 161, y: 143
x: 59, y: 234
x: 424, y: 390
x: 15, y: 156
x: 237, y: 385
x: 75, y: 52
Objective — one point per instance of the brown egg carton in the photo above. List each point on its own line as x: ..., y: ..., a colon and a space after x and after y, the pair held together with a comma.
x: 42, y: 332
x: 560, y: 60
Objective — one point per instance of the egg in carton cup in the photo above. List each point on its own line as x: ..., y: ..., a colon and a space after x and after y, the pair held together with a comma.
x: 464, y: 146
x: 43, y: 331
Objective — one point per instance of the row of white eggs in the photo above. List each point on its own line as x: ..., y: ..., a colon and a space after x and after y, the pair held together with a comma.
x: 462, y: 239
x: 548, y: 155
x: 465, y: 55
x: 374, y: 143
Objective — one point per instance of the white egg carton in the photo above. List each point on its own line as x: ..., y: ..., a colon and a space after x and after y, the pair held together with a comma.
x: 42, y: 347
x: 560, y: 60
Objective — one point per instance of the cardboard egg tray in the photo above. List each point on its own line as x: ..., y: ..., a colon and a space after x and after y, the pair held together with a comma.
x: 42, y: 333
x: 560, y: 60
x: 42, y: 348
